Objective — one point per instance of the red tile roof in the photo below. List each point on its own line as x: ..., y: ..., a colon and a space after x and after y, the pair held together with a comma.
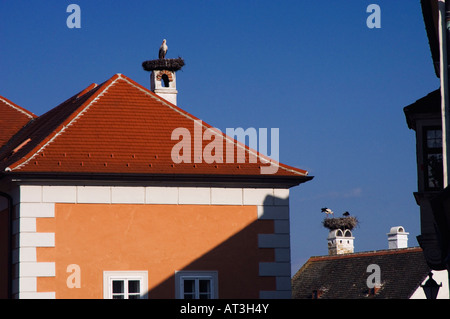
x: 118, y: 127
x: 12, y: 119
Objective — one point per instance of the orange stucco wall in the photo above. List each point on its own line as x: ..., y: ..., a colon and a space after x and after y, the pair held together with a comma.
x: 160, y: 239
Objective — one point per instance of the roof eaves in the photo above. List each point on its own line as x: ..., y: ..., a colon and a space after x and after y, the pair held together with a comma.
x: 199, y: 180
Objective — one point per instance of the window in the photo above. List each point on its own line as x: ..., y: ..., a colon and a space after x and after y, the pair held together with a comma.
x: 125, y: 284
x: 165, y: 81
x: 196, y: 288
x: 433, y: 168
x: 126, y: 288
x: 196, y: 285
x: 316, y: 294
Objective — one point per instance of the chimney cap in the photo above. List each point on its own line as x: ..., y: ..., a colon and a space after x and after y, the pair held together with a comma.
x: 397, y: 230
x: 340, y: 233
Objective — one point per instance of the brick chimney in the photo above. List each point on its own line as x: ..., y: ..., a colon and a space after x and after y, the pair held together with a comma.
x: 340, y: 242
x: 397, y: 237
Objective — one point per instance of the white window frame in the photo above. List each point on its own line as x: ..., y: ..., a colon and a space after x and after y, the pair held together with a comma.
x: 180, y: 276
x: 109, y: 276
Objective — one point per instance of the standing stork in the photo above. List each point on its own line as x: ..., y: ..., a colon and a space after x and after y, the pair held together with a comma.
x: 163, y: 50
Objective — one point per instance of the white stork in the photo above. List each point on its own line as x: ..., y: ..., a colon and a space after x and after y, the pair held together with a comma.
x: 327, y: 211
x: 163, y: 50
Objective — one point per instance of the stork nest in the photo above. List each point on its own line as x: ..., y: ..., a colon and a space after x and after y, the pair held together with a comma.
x: 341, y: 223
x: 163, y: 64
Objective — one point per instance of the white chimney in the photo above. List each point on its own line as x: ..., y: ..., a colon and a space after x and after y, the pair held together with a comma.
x: 163, y: 79
x: 340, y: 242
x: 164, y: 84
x: 397, y: 237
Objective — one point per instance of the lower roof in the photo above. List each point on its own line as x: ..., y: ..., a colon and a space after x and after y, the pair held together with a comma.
x: 345, y: 276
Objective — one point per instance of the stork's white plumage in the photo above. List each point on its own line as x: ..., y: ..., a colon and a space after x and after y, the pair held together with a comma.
x: 163, y: 49
x: 327, y: 211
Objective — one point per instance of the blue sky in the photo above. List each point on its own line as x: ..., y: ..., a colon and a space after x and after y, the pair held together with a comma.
x: 334, y: 87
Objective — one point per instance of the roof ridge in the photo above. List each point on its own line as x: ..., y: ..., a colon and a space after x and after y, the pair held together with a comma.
x: 18, y: 108
x: 367, y: 253
x: 86, y: 90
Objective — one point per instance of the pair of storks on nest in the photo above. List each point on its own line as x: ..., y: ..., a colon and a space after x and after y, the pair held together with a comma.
x: 330, y: 212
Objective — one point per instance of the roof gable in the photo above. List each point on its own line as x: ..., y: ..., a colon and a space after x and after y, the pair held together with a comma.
x: 119, y: 127
x: 12, y: 119
x: 345, y: 276
x: 429, y: 104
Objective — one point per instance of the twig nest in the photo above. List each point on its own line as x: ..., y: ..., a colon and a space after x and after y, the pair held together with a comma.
x: 342, y: 223
x: 163, y: 64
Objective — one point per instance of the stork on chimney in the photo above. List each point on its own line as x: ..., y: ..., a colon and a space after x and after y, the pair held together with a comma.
x: 162, y: 77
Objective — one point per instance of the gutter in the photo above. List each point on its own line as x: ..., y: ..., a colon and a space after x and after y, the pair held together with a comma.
x: 10, y: 242
x: 198, y: 180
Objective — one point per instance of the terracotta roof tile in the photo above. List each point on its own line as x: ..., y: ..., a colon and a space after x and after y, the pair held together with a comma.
x: 117, y: 127
x: 12, y: 119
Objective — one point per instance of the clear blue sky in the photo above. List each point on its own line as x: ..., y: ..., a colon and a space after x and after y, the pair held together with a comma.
x: 335, y: 88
